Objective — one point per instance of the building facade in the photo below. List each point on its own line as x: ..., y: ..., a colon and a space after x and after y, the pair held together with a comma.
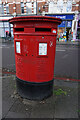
x: 67, y: 10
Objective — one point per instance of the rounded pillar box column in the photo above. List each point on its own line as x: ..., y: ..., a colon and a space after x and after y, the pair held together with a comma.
x: 35, y: 43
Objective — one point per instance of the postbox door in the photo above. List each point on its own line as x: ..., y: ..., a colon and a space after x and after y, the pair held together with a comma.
x: 42, y: 50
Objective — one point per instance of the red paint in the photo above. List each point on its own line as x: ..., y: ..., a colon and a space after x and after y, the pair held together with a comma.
x: 33, y: 65
x: 66, y: 79
x: 55, y: 78
x: 4, y: 72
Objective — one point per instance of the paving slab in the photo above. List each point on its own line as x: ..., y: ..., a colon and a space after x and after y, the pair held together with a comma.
x: 64, y: 105
x: 43, y: 109
x: 7, y: 90
x: 16, y: 115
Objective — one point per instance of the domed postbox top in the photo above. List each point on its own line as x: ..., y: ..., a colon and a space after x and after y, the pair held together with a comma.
x: 35, y: 18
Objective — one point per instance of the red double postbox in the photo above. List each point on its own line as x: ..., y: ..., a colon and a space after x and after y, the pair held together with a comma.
x: 35, y: 43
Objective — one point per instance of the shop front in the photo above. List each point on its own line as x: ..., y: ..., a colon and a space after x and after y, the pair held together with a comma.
x: 78, y: 29
x: 65, y: 28
x: 5, y: 26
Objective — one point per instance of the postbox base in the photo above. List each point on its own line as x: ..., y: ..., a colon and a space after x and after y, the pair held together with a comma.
x: 34, y: 91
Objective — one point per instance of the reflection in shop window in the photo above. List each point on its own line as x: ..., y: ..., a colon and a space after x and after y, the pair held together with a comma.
x: 29, y: 7
x: 1, y: 32
x: 1, y: 24
x: 6, y: 24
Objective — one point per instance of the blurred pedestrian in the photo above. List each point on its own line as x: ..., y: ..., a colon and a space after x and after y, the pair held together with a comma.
x: 10, y: 36
x: 7, y: 35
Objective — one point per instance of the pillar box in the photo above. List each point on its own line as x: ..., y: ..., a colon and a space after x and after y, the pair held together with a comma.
x: 35, y: 44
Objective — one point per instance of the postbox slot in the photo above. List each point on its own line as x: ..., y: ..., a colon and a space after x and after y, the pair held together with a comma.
x: 19, y: 29
x: 42, y: 29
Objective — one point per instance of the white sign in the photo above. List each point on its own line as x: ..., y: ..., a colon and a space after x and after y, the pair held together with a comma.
x: 18, y: 47
x: 42, y: 48
x: 54, y: 31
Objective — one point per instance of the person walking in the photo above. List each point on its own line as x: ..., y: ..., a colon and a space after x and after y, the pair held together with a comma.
x: 7, y: 35
x: 10, y: 36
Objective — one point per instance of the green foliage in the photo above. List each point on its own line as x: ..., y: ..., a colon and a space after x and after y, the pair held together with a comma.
x: 15, y: 86
x: 59, y: 92
x: 78, y: 111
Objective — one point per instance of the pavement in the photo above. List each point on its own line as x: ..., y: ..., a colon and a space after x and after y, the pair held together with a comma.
x: 62, y: 104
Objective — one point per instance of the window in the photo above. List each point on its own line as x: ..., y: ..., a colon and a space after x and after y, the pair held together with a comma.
x: 2, y: 9
x: 1, y: 32
x: 52, y: 7
x: 34, y: 7
x: 7, y: 8
x: 1, y: 24
x: 6, y: 24
x: 69, y: 6
x: 29, y: 7
x: 22, y: 7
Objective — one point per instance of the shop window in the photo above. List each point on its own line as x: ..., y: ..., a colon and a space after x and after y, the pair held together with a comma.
x: 79, y: 23
x: 1, y: 24
x: 6, y: 24
x: 29, y: 7
x: 22, y: 7
x: 1, y: 32
x: 78, y: 33
x: 7, y: 8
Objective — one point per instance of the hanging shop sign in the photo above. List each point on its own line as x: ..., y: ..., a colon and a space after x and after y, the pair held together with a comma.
x: 67, y: 19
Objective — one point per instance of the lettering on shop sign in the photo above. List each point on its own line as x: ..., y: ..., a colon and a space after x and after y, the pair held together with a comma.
x: 66, y: 16
x: 62, y: 17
